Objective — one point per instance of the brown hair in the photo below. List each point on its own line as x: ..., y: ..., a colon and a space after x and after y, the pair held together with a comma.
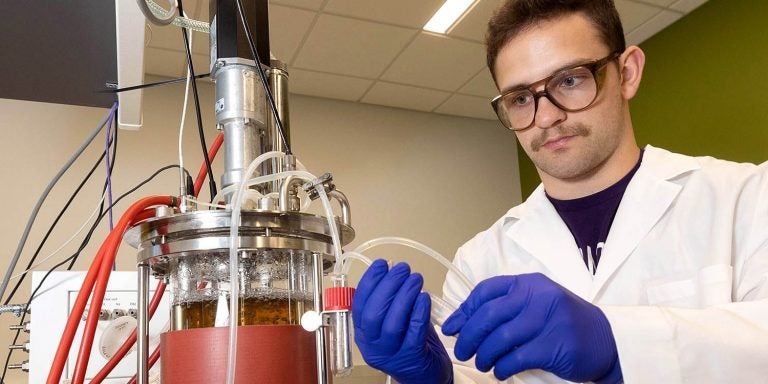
x: 515, y: 16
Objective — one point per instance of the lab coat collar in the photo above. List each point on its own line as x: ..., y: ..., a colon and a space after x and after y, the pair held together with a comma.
x: 536, y: 226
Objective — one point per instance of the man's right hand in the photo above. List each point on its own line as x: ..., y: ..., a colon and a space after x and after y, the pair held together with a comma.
x: 392, y: 328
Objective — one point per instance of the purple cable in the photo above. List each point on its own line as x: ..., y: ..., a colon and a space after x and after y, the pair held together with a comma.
x: 109, y: 171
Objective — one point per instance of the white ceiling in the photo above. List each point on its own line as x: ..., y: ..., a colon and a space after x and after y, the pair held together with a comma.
x: 374, y: 51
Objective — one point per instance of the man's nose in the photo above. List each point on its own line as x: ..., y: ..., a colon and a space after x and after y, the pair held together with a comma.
x: 548, y: 114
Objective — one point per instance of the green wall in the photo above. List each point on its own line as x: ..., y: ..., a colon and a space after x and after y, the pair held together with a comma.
x: 705, y: 87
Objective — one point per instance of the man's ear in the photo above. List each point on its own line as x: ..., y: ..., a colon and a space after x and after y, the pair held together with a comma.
x: 631, y: 64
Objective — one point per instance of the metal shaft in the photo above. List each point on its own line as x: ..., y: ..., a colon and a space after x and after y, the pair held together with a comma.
x: 277, y: 76
x: 142, y: 334
x: 320, y: 338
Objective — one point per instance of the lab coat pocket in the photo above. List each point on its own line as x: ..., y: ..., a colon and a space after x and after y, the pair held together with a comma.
x: 705, y: 287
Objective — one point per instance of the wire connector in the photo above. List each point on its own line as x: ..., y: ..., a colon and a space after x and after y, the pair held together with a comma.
x: 20, y: 327
x: 24, y: 366
x: 24, y: 347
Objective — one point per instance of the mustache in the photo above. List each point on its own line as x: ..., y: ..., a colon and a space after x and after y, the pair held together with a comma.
x: 562, y: 130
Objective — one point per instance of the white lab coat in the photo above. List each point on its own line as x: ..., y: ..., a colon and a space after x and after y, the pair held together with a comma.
x: 683, y: 275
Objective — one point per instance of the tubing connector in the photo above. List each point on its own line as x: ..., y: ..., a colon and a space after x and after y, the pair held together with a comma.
x: 289, y: 163
x: 289, y: 197
x: 326, y: 180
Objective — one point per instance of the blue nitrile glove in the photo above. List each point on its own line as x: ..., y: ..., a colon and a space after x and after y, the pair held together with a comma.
x: 392, y: 328
x: 522, y: 322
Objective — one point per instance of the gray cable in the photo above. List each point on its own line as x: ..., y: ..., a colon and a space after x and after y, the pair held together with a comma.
x: 42, y: 197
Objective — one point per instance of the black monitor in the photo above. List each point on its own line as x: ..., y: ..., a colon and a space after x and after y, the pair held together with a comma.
x: 58, y: 51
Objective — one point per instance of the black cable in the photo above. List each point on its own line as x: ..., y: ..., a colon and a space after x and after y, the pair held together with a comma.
x: 106, y: 182
x: 75, y: 255
x: 149, y: 85
x: 263, y: 77
x: 211, y: 180
x: 41, y: 200
x: 101, y: 216
x: 53, y: 225
x: 113, y: 144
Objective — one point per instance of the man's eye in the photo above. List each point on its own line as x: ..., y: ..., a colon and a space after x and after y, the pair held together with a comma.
x: 572, y: 81
x: 573, y: 78
x: 520, y: 100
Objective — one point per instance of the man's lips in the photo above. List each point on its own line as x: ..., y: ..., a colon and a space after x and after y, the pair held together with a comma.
x: 560, y: 137
x: 557, y: 142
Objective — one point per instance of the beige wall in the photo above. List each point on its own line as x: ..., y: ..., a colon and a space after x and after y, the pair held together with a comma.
x: 433, y: 178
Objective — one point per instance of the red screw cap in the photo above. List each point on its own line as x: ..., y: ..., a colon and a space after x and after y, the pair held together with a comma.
x: 338, y: 298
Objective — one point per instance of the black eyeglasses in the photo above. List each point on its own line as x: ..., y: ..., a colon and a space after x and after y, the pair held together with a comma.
x: 571, y: 89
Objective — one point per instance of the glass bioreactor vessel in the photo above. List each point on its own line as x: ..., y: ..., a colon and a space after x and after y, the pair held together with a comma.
x: 256, y: 247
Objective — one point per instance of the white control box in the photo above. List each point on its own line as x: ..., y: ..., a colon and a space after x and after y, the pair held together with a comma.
x: 52, y: 306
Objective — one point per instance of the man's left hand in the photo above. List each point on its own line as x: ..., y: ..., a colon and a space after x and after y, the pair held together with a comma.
x: 522, y: 322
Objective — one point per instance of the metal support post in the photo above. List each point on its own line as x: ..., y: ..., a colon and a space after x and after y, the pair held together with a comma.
x: 142, y: 333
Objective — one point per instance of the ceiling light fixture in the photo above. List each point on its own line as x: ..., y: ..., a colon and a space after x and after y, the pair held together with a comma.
x: 446, y: 16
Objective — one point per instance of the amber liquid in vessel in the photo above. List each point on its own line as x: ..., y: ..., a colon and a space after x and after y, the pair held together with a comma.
x: 253, y: 311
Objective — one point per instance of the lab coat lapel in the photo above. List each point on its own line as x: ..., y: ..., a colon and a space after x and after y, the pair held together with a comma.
x: 538, y: 229
x: 646, y: 199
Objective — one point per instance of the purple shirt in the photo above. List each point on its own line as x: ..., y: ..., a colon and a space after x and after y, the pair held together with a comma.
x: 589, y: 218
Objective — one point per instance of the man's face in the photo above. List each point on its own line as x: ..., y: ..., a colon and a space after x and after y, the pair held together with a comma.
x: 565, y: 145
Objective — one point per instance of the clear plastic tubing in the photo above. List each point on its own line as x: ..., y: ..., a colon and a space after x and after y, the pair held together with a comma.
x: 418, y: 246
x: 331, y: 226
x: 440, y: 311
x: 300, y: 166
x: 234, y: 288
x: 353, y: 256
x: 258, y: 160
x: 261, y: 180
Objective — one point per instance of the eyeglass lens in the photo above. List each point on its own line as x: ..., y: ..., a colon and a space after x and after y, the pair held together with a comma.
x: 570, y: 90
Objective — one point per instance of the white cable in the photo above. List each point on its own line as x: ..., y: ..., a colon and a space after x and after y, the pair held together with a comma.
x: 85, y: 224
x: 182, y: 179
x: 209, y: 205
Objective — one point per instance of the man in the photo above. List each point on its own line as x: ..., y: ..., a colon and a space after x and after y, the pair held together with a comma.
x: 624, y: 265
